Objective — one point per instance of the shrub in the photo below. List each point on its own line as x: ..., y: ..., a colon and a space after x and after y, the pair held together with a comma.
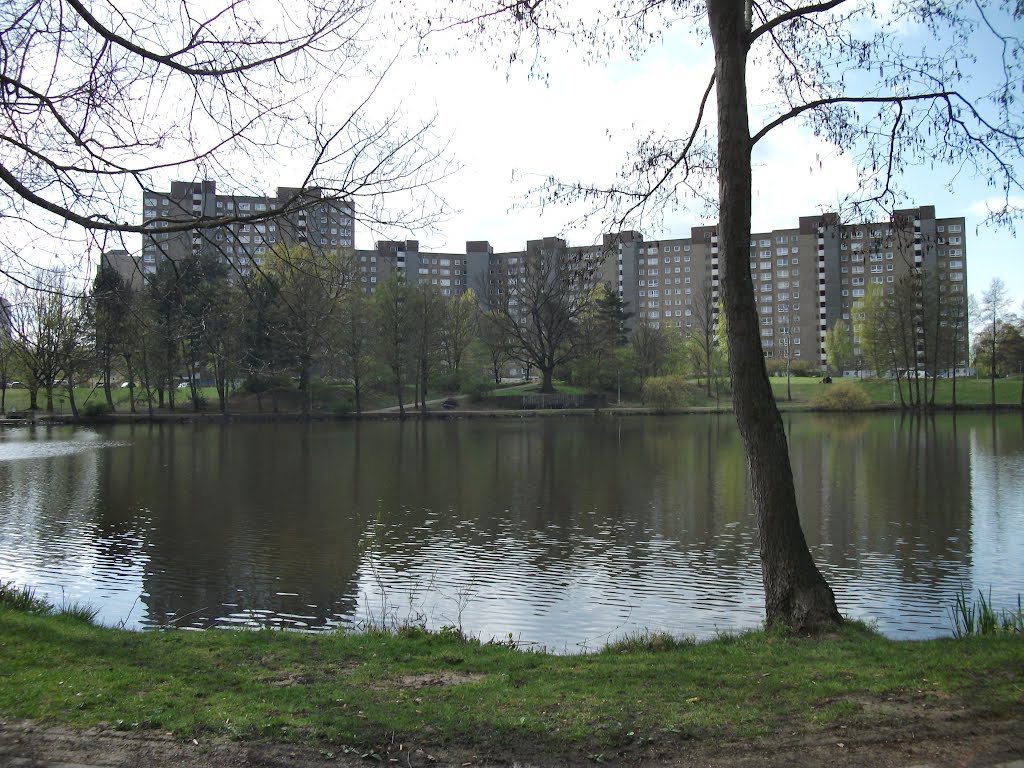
x: 477, y: 390
x: 844, y: 396
x: 981, y: 618
x: 666, y: 393
x: 22, y: 599
x: 95, y: 409
x: 800, y: 368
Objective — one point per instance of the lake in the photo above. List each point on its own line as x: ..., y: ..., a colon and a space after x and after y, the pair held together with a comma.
x: 561, y: 532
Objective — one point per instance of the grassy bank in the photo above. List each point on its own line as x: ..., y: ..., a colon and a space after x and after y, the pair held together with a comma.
x: 799, y: 394
x: 366, y: 691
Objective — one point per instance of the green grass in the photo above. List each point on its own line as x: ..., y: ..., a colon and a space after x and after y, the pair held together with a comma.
x: 882, y: 392
x: 362, y: 690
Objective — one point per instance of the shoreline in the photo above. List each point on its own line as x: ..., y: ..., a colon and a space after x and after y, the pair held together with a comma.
x: 188, y: 417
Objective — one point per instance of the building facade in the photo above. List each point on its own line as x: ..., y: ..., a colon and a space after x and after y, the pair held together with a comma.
x: 253, y: 225
x: 806, y: 277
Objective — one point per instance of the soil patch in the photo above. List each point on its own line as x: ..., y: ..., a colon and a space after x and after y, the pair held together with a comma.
x: 936, y: 738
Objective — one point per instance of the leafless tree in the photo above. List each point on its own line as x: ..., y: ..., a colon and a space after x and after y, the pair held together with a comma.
x: 537, y: 302
x: 99, y: 102
x: 995, y: 303
x: 702, y: 336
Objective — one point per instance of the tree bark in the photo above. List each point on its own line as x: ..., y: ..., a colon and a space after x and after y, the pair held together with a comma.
x: 796, y: 594
x: 547, y: 385
x: 106, y: 388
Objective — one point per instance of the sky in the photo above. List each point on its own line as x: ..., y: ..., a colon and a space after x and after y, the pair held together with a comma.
x: 509, y: 132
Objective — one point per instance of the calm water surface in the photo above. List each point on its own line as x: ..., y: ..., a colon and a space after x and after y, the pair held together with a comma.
x: 562, y: 532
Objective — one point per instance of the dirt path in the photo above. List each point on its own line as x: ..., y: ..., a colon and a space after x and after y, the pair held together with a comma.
x: 938, y: 743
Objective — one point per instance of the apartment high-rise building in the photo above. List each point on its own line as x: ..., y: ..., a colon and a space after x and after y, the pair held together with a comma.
x: 806, y: 277
x: 294, y: 217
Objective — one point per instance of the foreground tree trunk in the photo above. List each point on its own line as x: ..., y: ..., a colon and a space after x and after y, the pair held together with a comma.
x: 796, y: 594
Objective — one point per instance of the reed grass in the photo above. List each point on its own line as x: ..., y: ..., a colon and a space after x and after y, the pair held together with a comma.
x: 973, y: 618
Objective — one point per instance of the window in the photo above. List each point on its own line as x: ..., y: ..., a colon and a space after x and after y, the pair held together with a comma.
x: 954, y: 228
x: 782, y: 262
x: 858, y: 292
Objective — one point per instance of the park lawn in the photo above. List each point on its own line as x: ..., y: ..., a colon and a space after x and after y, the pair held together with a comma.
x: 971, y: 392
x: 362, y: 690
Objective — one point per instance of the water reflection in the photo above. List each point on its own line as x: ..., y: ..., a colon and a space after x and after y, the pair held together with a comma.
x: 563, y: 532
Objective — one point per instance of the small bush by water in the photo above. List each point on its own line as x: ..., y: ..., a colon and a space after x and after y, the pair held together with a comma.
x: 973, y: 618
x: 667, y: 393
x: 24, y: 599
x: 843, y: 396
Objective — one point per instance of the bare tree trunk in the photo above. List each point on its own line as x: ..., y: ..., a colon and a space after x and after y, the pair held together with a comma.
x: 548, y: 381
x: 106, y: 389
x: 71, y: 398
x: 796, y: 594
